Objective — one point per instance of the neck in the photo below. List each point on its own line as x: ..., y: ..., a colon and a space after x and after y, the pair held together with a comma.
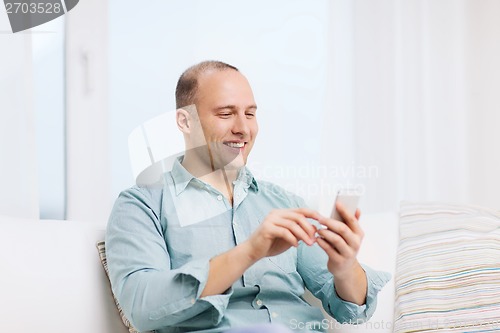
x: 220, y: 178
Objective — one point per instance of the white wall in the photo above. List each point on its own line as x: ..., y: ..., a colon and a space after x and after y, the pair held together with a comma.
x: 18, y: 168
x: 281, y: 46
x: 87, y: 113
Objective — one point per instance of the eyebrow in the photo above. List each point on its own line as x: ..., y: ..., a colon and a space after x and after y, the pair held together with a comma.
x: 233, y: 107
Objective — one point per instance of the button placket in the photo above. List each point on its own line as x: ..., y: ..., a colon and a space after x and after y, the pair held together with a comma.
x: 237, y: 231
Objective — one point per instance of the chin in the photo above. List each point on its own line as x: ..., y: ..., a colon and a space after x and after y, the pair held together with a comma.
x: 236, y: 163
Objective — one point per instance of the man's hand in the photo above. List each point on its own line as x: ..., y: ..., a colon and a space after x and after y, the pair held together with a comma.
x: 341, y: 242
x: 281, y: 229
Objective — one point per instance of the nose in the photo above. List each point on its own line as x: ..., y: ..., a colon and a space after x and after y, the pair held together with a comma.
x: 241, y: 125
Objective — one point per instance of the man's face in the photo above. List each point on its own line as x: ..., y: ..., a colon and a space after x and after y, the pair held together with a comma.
x: 227, y: 113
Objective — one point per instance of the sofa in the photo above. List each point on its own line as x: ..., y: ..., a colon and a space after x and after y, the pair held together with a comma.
x: 52, y: 279
x: 444, y: 260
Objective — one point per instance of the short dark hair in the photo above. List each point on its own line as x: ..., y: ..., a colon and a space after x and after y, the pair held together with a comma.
x: 187, y: 85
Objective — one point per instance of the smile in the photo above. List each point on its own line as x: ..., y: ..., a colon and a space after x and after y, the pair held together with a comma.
x: 234, y: 144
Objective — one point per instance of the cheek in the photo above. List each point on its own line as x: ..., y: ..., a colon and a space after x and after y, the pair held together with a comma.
x: 255, y: 130
x: 215, y: 130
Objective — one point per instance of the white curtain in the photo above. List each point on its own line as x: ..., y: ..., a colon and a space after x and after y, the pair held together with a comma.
x: 18, y: 169
x: 483, y: 101
x: 420, y: 79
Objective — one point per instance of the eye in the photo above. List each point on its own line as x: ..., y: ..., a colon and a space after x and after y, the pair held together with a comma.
x: 250, y: 114
x: 224, y: 114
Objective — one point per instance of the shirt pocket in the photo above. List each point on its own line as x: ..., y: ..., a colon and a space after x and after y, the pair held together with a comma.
x: 286, y: 261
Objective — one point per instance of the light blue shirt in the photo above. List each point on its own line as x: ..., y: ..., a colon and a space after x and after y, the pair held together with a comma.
x: 159, y: 242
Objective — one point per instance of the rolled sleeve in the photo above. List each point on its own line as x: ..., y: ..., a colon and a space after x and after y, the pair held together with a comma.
x: 191, y: 277
x: 347, y: 312
x: 151, y: 293
x: 312, y: 268
x: 198, y: 269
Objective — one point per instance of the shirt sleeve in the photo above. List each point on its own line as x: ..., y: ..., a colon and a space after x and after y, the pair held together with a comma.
x: 151, y: 293
x: 312, y: 266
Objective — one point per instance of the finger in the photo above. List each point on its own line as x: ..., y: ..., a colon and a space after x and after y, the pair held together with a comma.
x: 285, y: 235
x: 347, y: 234
x: 336, y: 242
x: 299, y: 218
x: 357, y: 214
x: 330, y: 251
x: 334, y: 225
x: 296, y: 229
x: 349, y: 219
x: 309, y: 213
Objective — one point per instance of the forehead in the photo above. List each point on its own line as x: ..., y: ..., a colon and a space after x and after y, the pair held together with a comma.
x: 224, y: 87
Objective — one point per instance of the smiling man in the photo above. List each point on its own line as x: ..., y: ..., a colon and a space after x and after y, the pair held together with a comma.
x: 215, y: 250
x: 223, y: 121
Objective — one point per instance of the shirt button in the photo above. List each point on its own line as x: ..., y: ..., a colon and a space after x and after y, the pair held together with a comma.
x: 219, y: 197
x: 193, y: 301
x: 259, y: 302
x: 274, y: 314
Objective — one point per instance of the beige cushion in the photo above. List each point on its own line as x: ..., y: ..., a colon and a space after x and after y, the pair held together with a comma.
x: 447, y: 269
x: 101, y: 247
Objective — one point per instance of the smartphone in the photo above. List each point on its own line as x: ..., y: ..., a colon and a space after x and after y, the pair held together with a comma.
x: 349, y: 198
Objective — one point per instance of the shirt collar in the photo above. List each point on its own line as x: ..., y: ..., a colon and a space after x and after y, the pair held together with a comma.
x: 247, y: 178
x: 182, y: 177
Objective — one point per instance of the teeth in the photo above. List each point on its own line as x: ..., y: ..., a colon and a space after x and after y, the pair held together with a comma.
x: 234, y: 144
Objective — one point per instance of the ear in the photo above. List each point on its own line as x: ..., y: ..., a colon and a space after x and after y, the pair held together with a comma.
x: 183, y: 120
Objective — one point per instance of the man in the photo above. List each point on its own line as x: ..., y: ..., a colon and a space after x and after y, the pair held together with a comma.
x: 214, y: 249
